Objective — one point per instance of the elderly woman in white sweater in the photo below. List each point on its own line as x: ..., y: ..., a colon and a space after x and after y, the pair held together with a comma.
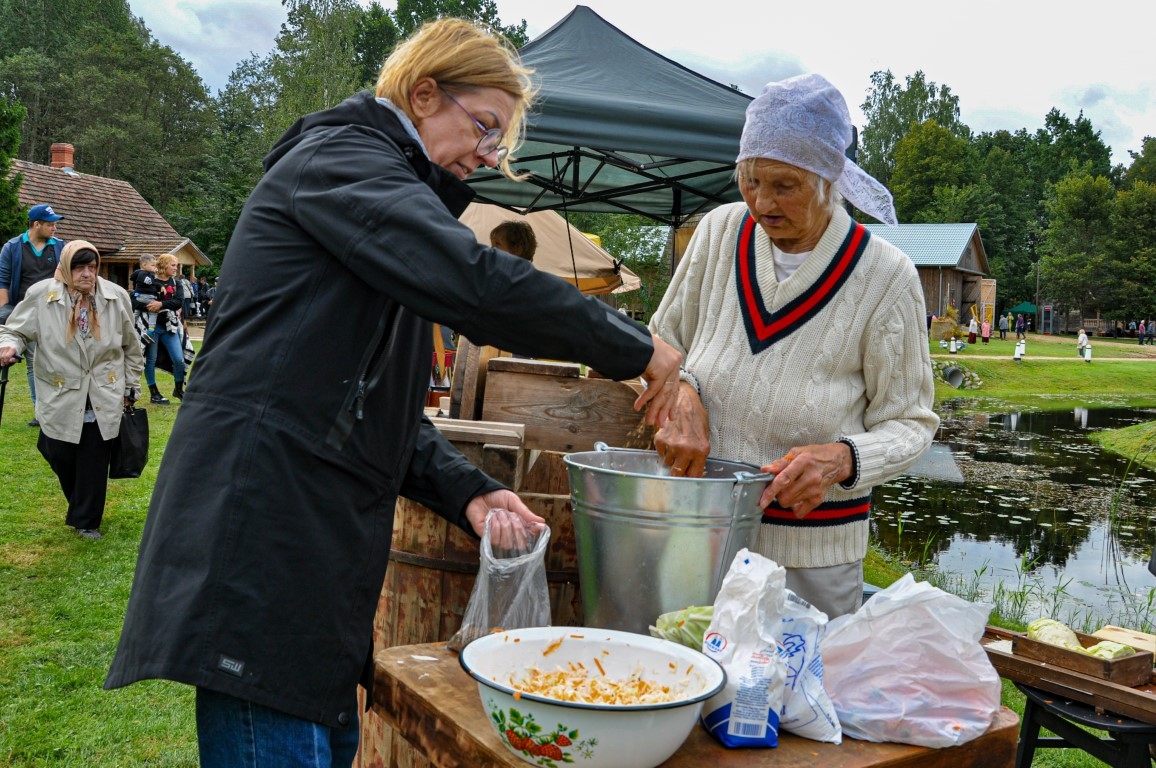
x: 804, y: 342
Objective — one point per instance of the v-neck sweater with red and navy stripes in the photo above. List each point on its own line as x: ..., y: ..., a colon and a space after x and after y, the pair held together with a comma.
x: 837, y: 350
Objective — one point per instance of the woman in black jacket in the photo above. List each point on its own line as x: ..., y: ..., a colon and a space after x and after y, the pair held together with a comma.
x: 260, y: 587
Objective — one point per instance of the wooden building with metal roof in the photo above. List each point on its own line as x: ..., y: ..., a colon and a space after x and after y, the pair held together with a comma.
x: 951, y: 261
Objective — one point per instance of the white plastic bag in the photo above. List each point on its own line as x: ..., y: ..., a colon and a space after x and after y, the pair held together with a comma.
x: 745, y: 713
x: 908, y: 667
x: 510, y: 591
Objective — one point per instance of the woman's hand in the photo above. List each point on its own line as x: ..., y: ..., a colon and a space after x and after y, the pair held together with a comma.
x: 154, y: 306
x: 684, y: 442
x: 803, y: 476
x: 505, y: 536
x: 661, y: 378
x: 8, y: 356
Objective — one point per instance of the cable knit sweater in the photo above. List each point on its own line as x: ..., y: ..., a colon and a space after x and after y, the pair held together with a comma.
x: 837, y: 350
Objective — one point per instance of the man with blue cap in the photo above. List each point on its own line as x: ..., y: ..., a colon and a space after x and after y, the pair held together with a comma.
x: 27, y: 259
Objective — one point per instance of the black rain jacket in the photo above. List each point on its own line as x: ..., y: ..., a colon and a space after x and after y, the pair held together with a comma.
x: 269, y: 529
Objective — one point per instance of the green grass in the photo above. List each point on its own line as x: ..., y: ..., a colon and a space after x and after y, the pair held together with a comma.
x: 1137, y: 442
x: 1050, y: 376
x: 62, y: 599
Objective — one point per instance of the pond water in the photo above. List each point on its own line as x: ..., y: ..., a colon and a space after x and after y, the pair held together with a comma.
x: 1043, y: 523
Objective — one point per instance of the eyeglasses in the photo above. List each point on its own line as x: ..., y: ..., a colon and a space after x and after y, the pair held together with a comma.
x: 491, y: 137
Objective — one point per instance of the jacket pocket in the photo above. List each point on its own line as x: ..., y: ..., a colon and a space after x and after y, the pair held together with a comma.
x: 372, y: 367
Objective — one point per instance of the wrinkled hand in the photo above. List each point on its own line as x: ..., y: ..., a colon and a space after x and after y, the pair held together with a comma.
x: 684, y: 442
x: 661, y: 377
x: 8, y: 356
x: 505, y: 535
x: 803, y: 476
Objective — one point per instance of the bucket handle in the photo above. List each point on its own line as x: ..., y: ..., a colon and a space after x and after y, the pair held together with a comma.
x: 749, y: 477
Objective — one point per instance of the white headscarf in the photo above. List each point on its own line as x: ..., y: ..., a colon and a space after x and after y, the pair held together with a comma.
x: 803, y: 121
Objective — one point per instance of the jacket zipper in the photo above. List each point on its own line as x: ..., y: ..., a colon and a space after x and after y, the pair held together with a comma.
x: 368, y: 375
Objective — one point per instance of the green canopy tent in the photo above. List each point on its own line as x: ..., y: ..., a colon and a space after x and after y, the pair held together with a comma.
x: 619, y: 128
x: 1023, y: 308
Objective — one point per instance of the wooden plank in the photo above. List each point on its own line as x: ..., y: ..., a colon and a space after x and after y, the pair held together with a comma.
x: 471, y: 367
x: 425, y: 694
x: 504, y: 463
x: 540, y: 367
x: 1141, y: 641
x: 493, y: 432
x: 567, y: 414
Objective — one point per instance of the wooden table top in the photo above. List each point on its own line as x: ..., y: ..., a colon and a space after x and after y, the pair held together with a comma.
x: 425, y: 694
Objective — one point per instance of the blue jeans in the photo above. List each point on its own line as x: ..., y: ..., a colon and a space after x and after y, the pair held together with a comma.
x: 172, y: 342
x: 234, y: 733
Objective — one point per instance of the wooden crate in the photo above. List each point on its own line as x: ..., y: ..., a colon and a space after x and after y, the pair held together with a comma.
x: 1128, y: 670
x: 1138, y: 702
x: 561, y: 409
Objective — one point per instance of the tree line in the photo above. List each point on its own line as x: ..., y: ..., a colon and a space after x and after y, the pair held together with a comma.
x: 1050, y: 207
x: 1052, y: 210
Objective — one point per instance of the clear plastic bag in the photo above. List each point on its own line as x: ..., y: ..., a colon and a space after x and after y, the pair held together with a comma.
x: 510, y: 591
x: 908, y: 667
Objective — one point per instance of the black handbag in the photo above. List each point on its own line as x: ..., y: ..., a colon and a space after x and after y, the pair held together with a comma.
x: 130, y: 450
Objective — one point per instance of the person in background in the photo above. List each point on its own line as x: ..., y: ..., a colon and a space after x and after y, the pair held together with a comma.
x: 972, y: 330
x: 165, y: 327
x: 261, y: 590
x: 1004, y: 324
x: 516, y: 237
x: 1141, y: 330
x: 1151, y: 331
x: 202, y: 297
x: 1020, y: 326
x: 803, y: 346
x: 187, y: 291
x: 985, y: 331
x: 24, y: 260
x: 89, y: 364
x: 1081, y: 342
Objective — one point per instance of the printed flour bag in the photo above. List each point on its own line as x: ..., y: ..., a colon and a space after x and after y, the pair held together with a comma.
x: 807, y: 709
x: 745, y: 713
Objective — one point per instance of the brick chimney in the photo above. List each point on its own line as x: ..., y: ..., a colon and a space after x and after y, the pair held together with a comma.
x: 62, y: 155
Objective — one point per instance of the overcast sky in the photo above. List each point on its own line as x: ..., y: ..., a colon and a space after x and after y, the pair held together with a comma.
x: 1007, y: 64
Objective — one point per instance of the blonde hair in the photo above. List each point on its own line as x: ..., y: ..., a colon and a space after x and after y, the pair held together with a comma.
x: 164, y: 260
x: 460, y: 56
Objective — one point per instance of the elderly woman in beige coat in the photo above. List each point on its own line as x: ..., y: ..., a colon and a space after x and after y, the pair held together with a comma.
x: 88, y: 367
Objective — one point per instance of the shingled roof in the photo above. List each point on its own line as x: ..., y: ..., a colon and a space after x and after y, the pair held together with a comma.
x: 108, y: 213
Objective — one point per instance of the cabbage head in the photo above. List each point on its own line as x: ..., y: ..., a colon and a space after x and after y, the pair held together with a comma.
x: 685, y: 627
x: 1054, y: 632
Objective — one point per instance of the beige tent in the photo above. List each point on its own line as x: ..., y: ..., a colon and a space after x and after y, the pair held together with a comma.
x: 556, y: 240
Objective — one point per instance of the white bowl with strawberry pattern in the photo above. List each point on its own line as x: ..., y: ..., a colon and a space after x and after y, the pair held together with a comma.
x: 636, y: 697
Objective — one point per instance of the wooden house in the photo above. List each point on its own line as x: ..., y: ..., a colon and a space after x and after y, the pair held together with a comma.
x: 108, y: 213
x: 951, y: 261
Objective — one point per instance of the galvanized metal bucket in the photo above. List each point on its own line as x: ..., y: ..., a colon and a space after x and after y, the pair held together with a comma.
x: 648, y: 544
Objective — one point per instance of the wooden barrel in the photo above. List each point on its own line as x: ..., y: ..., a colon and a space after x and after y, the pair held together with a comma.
x: 432, y: 569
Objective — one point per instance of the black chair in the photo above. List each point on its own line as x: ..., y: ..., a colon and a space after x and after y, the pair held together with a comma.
x: 1128, y: 746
